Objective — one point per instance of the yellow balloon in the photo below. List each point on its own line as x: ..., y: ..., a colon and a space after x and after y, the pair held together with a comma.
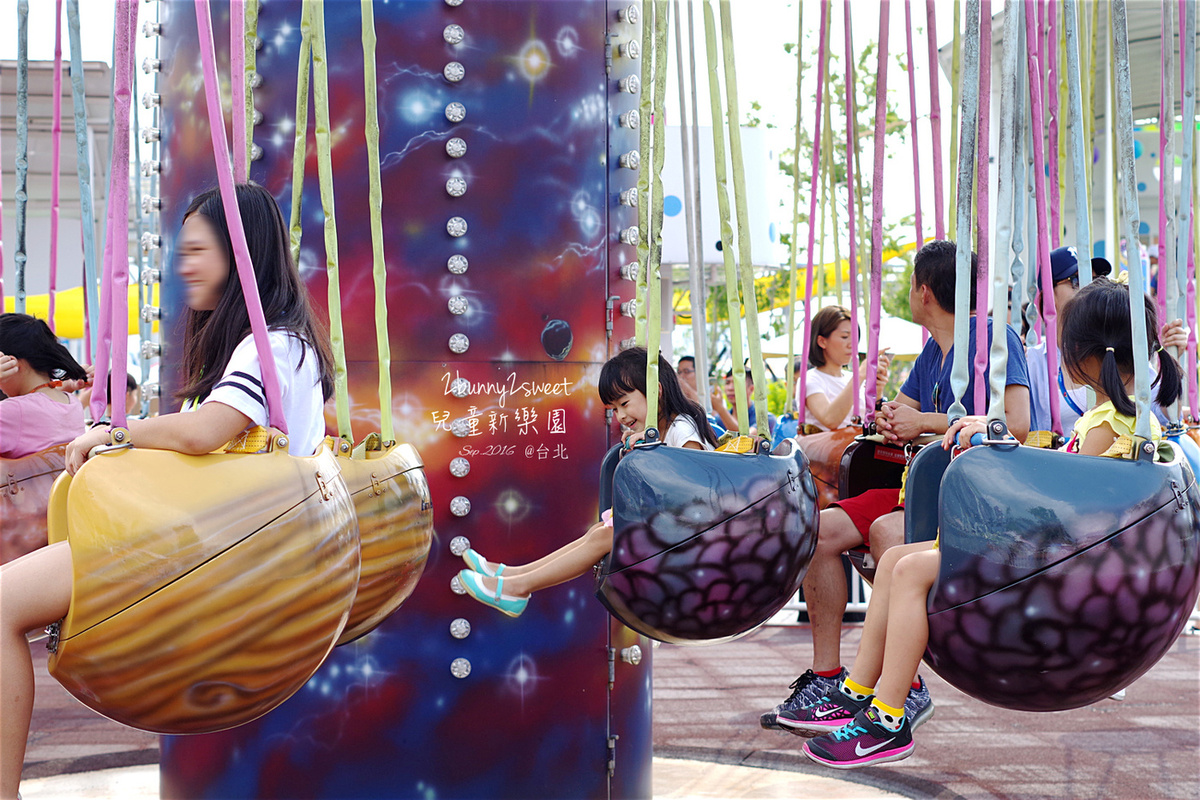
x: 68, y: 310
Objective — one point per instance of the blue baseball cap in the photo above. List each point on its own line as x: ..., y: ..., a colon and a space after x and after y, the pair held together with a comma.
x: 1063, y: 264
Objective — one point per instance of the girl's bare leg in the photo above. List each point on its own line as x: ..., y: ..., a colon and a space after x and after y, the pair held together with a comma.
x: 868, y: 663
x: 908, y: 624
x: 562, y: 565
x: 512, y: 571
x: 35, y: 590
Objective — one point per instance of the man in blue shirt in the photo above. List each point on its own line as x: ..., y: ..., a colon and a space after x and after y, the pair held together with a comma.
x: 875, y: 518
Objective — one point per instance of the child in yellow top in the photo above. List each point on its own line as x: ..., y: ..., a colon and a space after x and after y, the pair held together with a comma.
x: 864, y: 721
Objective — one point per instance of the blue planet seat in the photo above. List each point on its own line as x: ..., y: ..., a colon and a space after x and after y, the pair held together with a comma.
x: 707, y: 546
x: 1063, y: 577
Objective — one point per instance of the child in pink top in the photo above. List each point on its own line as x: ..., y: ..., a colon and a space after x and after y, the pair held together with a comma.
x: 36, y: 413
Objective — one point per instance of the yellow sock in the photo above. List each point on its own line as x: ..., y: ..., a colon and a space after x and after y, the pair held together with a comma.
x: 892, y: 718
x: 856, y: 691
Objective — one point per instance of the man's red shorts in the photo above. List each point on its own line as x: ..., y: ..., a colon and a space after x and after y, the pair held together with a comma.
x: 869, y: 506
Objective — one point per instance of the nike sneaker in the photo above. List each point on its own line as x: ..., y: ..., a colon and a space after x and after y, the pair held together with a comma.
x: 863, y: 741
x: 918, y: 706
x: 827, y: 714
x: 808, y: 688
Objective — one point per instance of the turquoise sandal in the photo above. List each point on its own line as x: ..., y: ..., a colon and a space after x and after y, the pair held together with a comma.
x: 479, y: 564
x: 506, y: 604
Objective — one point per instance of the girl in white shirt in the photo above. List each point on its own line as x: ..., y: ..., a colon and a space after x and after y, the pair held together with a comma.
x: 622, y: 389
x: 829, y: 394
x: 221, y: 377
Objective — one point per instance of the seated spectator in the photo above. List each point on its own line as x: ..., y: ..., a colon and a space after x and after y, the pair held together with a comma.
x: 689, y: 382
x: 37, y: 413
x: 829, y: 390
x: 727, y: 418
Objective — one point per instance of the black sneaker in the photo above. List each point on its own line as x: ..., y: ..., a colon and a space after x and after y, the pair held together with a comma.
x: 807, y: 689
x: 827, y: 714
x: 918, y: 706
x: 864, y: 741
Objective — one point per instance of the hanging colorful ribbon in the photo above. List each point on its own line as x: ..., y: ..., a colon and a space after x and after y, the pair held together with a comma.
x: 1124, y: 135
x: 982, y: 208
x: 1009, y: 135
x: 1166, y: 177
x: 1051, y: 58
x: 733, y: 307
x: 83, y: 168
x: 877, y: 211
x: 851, y: 216
x: 113, y: 331
x: 55, y: 158
x: 646, y: 110
x: 20, y: 257
x: 296, y: 227
x: 812, y: 197
x: 237, y: 85
x: 233, y: 217
x: 1043, y: 240
x: 1185, y: 265
x: 960, y: 370
x: 321, y: 134
x: 912, y: 128
x: 955, y: 94
x: 792, y: 271
x: 653, y: 169
x: 375, y: 198
x: 935, y: 122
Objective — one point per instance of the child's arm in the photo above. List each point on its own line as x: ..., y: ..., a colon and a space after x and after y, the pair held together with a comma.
x: 1098, y: 440
x: 194, y: 433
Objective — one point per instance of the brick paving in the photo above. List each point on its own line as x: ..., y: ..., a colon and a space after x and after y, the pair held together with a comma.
x: 707, y: 702
x: 706, y: 706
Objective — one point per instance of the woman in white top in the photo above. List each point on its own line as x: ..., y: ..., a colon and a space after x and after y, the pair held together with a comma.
x: 829, y: 398
x: 221, y: 378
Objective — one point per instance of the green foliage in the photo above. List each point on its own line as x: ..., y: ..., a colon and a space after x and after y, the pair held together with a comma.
x: 776, y: 395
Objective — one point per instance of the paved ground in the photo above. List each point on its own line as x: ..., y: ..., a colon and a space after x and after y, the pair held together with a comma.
x: 707, y: 702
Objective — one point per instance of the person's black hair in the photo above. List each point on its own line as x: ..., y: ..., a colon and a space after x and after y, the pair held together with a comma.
x: 130, y: 384
x: 935, y: 267
x: 688, y: 358
x: 824, y: 323
x: 1096, y: 323
x: 209, y: 337
x: 27, y: 337
x: 626, y: 372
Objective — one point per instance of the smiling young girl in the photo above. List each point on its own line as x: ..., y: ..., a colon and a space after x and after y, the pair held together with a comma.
x: 622, y: 389
x: 222, y: 383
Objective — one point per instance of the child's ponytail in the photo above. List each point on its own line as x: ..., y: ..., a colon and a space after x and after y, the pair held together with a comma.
x: 1113, y: 385
x: 1170, y: 377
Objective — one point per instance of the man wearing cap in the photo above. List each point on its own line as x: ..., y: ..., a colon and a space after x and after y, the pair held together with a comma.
x: 1072, y: 398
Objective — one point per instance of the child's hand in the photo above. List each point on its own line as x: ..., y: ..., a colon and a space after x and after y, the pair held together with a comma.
x: 8, y: 367
x: 633, y: 437
x: 81, y: 447
x: 962, y: 430
x: 1174, y: 334
x: 74, y: 386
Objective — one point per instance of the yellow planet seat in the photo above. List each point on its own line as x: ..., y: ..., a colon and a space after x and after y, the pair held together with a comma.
x: 395, y: 524
x: 206, y: 589
x: 24, y: 496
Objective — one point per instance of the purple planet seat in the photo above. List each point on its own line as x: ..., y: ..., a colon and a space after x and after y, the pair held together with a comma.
x: 707, y: 546
x: 1063, y: 577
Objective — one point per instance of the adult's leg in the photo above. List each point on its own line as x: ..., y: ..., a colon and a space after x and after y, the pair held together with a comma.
x: 825, y: 586
x: 513, y: 570
x: 868, y: 664
x: 908, y: 624
x: 886, y: 533
x: 35, y: 590
x: 562, y: 565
